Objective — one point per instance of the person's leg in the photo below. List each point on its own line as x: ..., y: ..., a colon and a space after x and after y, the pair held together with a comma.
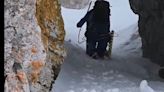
x: 90, y: 47
x: 161, y: 73
x: 87, y: 47
x: 101, y: 48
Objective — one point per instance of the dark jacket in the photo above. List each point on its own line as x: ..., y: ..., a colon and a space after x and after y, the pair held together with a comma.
x: 87, y: 18
x: 97, y: 22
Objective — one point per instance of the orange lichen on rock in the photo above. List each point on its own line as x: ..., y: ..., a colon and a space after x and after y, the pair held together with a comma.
x: 21, y: 76
x: 34, y: 76
x: 37, y: 64
x: 36, y: 68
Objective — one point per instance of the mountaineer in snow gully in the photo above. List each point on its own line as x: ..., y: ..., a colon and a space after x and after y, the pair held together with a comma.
x: 98, y: 29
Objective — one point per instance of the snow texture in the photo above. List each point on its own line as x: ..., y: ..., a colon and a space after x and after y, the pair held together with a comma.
x: 122, y: 73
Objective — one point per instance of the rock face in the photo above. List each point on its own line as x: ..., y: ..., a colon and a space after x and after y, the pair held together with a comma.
x: 151, y: 28
x: 74, y: 4
x: 34, y: 38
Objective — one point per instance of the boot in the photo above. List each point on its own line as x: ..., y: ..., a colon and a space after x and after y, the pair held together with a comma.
x: 95, y: 56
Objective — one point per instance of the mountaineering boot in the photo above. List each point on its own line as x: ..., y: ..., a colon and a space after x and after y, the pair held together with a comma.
x: 106, y: 55
x: 95, y: 56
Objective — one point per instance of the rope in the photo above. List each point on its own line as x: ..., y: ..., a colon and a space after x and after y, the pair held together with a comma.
x: 83, y: 40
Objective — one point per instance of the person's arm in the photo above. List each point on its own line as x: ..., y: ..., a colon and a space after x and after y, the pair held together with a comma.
x: 83, y: 20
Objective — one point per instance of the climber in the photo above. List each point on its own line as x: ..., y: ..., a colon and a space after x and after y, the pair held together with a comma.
x: 98, y: 29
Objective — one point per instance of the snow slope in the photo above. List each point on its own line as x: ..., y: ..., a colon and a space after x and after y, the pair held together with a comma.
x: 125, y: 72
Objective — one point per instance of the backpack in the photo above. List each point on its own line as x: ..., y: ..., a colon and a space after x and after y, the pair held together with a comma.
x: 101, y: 12
x: 98, y: 15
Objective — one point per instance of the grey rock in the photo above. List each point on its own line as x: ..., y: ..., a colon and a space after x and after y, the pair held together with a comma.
x: 151, y: 28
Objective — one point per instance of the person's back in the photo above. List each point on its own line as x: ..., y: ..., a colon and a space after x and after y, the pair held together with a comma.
x: 101, y: 12
x: 100, y: 17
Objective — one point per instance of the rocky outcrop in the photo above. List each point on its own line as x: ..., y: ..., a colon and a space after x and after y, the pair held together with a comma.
x: 34, y: 38
x: 74, y: 4
x: 151, y: 28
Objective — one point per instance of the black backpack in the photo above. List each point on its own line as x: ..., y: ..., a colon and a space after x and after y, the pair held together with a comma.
x: 98, y: 15
x: 101, y: 11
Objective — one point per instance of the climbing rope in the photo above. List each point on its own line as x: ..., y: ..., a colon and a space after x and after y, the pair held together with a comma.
x: 83, y: 40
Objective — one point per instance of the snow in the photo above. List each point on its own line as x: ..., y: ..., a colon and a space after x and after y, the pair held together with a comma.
x: 126, y: 71
x: 144, y: 87
x: 123, y: 73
